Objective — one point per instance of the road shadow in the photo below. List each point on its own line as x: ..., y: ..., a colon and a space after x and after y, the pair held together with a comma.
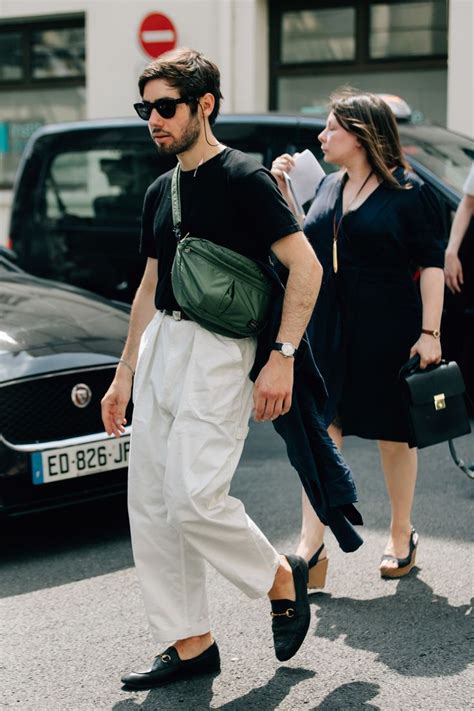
x: 354, y: 696
x: 64, y: 545
x: 414, y: 632
x: 197, y: 694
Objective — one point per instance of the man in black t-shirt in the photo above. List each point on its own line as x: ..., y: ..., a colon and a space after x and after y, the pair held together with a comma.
x: 192, y: 393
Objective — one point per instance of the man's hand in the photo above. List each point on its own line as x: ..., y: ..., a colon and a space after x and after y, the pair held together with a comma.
x: 453, y: 272
x: 114, y: 403
x: 428, y: 348
x: 273, y: 388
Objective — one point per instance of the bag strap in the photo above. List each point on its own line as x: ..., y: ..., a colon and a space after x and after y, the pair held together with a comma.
x: 468, y: 469
x: 176, y: 202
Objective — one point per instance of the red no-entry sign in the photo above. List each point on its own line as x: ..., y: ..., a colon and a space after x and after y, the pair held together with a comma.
x: 157, y: 34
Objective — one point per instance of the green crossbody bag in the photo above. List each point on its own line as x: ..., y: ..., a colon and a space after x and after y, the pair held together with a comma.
x: 218, y: 288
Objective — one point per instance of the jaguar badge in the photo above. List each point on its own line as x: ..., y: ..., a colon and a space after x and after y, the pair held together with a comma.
x: 81, y: 395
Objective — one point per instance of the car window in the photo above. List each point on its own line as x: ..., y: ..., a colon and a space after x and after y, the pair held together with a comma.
x: 78, y: 206
x: 102, y: 184
x: 446, y: 154
x: 264, y: 141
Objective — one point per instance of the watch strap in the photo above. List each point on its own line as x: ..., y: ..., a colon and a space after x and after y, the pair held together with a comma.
x: 436, y: 333
x: 277, y: 346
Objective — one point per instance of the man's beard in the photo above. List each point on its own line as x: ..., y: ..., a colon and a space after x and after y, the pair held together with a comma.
x: 185, y: 142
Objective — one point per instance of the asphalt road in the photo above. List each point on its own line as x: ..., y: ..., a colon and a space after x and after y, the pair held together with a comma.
x: 72, y: 619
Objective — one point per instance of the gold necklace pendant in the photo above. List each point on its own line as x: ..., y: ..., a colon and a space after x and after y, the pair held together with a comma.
x: 334, y: 256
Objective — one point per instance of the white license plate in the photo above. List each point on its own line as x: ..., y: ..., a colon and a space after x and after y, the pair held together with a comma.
x: 69, y: 462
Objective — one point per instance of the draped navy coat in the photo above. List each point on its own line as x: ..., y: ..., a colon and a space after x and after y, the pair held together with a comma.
x: 325, y: 476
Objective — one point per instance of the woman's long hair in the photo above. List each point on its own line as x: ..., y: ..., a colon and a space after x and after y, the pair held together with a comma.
x: 369, y: 118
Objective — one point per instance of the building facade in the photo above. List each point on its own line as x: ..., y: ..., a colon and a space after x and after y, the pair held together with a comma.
x: 64, y: 60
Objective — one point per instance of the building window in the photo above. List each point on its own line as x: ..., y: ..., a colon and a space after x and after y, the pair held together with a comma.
x: 318, y: 35
x: 42, y: 52
x: 58, y: 53
x: 417, y: 29
x: 10, y: 56
x: 42, y: 80
x: 384, y: 46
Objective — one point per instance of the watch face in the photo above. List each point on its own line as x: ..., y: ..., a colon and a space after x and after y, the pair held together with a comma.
x: 287, y: 349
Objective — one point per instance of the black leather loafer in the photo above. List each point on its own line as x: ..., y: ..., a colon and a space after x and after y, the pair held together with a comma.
x: 290, y: 618
x: 168, y: 667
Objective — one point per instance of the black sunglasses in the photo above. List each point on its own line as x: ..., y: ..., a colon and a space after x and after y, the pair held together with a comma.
x: 165, y: 107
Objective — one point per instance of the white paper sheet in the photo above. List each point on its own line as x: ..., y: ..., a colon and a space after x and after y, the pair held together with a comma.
x: 304, y: 177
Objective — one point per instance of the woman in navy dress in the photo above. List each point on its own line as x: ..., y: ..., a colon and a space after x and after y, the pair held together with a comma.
x: 373, y: 225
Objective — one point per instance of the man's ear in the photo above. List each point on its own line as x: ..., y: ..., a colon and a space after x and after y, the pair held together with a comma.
x: 206, y: 103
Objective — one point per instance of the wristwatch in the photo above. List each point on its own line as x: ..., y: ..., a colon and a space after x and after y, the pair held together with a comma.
x: 436, y: 333
x: 286, y: 349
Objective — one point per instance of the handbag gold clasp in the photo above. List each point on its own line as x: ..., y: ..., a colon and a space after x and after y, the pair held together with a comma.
x: 439, y: 402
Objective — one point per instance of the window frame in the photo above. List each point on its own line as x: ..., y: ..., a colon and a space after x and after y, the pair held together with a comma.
x: 25, y: 27
x: 362, y: 63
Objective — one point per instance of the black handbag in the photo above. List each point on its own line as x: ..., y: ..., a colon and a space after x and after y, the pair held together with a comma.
x: 436, y: 404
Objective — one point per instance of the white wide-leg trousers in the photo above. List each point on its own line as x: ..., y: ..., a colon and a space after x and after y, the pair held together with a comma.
x: 192, y: 403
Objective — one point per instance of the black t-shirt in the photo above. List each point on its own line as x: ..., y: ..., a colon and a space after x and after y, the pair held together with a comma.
x: 231, y: 200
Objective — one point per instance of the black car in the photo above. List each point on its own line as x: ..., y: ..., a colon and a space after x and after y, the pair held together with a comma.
x: 59, y: 347
x: 80, y: 187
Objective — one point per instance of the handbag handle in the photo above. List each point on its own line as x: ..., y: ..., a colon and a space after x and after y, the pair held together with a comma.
x: 413, y: 366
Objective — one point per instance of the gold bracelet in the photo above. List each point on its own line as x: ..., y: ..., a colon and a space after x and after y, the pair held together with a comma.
x: 127, y: 364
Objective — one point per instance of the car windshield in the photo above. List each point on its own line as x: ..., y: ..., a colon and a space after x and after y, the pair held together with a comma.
x: 446, y: 154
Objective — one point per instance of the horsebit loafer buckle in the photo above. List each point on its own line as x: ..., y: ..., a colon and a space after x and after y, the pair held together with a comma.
x: 288, y: 613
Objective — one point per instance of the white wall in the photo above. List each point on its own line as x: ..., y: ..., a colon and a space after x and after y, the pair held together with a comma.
x: 250, y: 70
x: 115, y: 58
x: 36, y: 8
x: 461, y: 67
x: 227, y: 31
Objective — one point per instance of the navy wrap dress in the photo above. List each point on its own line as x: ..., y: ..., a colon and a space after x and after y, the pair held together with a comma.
x: 369, y: 314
